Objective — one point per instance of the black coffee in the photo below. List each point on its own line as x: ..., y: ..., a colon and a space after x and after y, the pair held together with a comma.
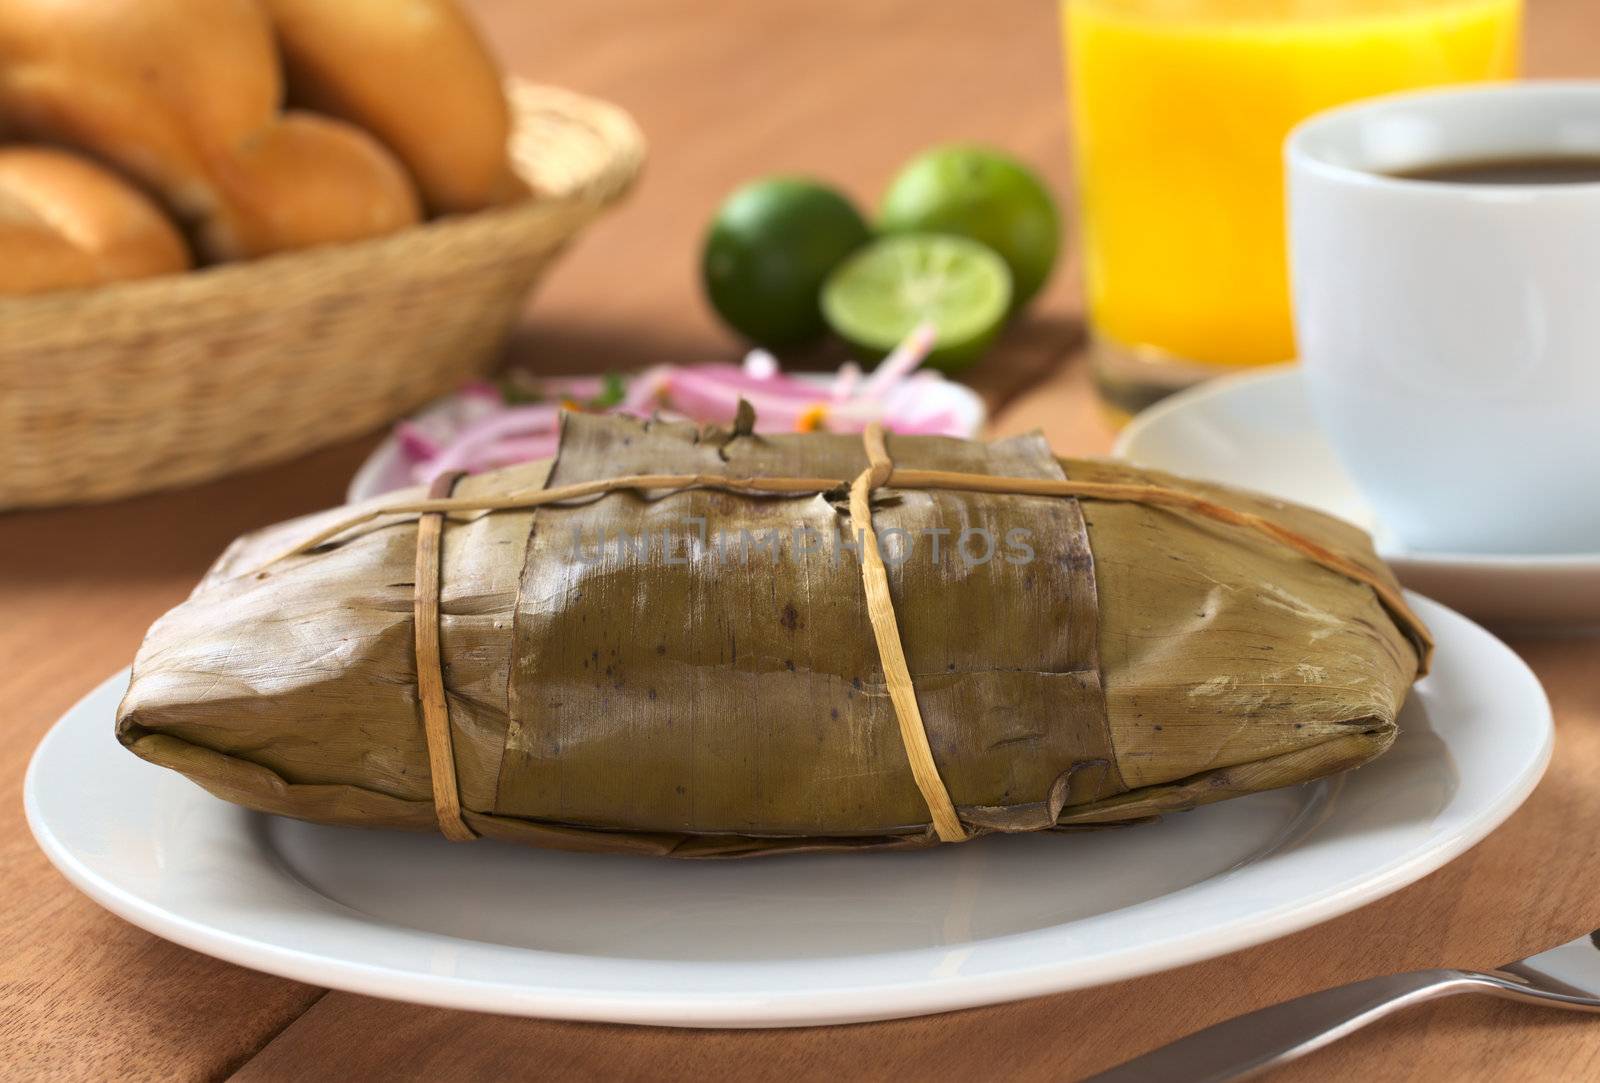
x: 1554, y: 169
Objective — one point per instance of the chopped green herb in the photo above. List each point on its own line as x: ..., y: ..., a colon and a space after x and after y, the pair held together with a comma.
x: 615, y: 388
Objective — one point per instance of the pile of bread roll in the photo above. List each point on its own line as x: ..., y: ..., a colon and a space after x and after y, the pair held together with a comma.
x: 143, y: 137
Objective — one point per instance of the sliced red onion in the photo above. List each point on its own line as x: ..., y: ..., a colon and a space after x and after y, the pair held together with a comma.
x: 904, y: 358
x: 482, y: 389
x: 481, y: 432
x: 416, y: 445
x: 845, y: 381
x: 760, y: 365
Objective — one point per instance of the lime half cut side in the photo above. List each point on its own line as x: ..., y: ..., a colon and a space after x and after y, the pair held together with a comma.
x: 881, y: 293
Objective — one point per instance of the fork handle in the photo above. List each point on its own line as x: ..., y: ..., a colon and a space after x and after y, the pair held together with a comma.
x: 1240, y: 1047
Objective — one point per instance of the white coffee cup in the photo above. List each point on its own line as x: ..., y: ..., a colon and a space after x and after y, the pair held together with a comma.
x: 1450, y: 332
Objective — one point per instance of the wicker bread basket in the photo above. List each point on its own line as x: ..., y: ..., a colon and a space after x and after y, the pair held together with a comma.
x: 143, y: 385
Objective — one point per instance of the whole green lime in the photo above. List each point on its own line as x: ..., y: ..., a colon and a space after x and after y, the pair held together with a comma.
x: 983, y: 194
x: 882, y: 293
x: 770, y: 248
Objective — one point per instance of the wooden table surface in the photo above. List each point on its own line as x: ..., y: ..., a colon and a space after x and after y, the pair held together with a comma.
x: 728, y: 89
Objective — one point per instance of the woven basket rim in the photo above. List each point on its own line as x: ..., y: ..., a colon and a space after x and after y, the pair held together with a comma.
x: 584, y: 201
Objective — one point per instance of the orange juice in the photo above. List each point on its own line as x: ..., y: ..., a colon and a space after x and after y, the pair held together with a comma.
x: 1179, y: 111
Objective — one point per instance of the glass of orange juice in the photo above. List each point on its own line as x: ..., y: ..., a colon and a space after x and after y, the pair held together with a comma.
x: 1179, y: 111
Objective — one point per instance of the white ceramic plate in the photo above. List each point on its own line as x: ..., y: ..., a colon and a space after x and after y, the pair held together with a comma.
x: 386, y: 469
x: 788, y: 940
x: 1256, y: 430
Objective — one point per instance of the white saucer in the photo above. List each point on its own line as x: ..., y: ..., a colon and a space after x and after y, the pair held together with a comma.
x: 1256, y: 430
x: 786, y: 940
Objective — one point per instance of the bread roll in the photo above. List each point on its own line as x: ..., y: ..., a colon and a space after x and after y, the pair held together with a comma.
x: 160, y: 88
x: 416, y: 74
x: 184, y: 96
x: 67, y: 223
x: 312, y: 181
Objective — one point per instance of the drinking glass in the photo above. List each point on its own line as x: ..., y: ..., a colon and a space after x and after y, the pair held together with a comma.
x: 1179, y: 110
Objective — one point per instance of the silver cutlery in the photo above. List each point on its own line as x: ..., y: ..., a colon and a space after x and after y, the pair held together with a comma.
x: 1564, y: 977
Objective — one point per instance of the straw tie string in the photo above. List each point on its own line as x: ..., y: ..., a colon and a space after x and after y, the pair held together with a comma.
x: 427, y: 590
x: 886, y: 630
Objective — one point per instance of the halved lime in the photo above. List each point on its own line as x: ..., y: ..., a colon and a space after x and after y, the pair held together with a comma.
x: 984, y: 194
x: 880, y: 294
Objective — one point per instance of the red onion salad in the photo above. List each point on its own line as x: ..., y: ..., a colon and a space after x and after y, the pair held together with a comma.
x: 492, y: 425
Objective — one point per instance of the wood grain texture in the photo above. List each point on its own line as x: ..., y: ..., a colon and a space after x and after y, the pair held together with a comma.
x: 83, y: 994
x: 727, y: 89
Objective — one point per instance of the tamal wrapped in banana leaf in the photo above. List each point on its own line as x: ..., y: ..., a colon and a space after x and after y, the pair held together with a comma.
x: 661, y: 642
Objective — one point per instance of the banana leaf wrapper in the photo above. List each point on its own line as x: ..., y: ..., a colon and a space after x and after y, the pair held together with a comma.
x: 650, y: 672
